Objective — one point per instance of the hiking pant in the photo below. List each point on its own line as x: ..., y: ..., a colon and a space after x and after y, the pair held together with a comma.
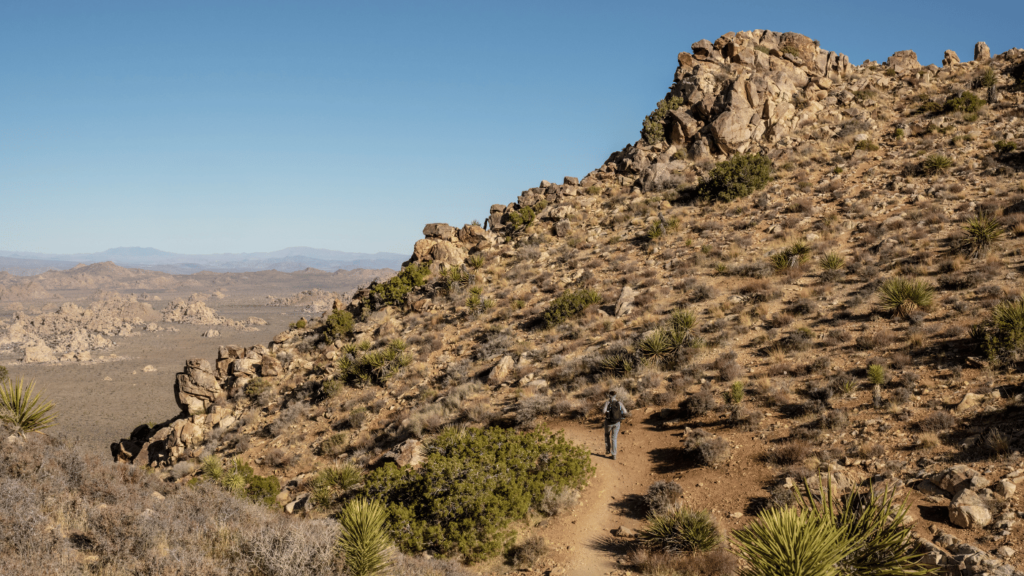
x: 611, y: 437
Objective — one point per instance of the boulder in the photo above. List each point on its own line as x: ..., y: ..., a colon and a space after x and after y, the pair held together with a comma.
x: 624, y: 532
x: 625, y: 303
x: 211, y: 333
x: 270, y: 366
x: 1005, y: 488
x: 501, y: 370
x: 38, y: 353
x: 471, y: 234
x: 970, y: 401
x: 957, y: 478
x: 563, y: 229
x: 981, y: 52
x: 731, y: 130
x: 408, y: 453
x: 950, y: 58
x: 968, y: 510
x: 903, y: 61
x: 448, y: 253
x: 571, y: 181
x: 197, y: 387
x: 440, y: 231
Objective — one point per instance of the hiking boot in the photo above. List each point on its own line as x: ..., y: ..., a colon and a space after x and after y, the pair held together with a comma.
x: 615, y: 457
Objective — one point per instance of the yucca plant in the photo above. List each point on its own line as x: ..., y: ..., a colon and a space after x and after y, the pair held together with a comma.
x: 936, y: 163
x: 619, y: 363
x: 791, y: 257
x: 981, y: 232
x: 680, y: 530
x: 1005, y: 335
x: 22, y: 409
x: 331, y: 481
x: 902, y: 296
x: 876, y: 374
x: 683, y: 321
x: 872, y: 523
x: 657, y: 346
x: 792, y: 542
x: 831, y: 266
x: 364, y: 540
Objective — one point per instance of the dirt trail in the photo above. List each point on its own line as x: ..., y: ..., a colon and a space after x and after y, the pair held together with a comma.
x: 582, y: 542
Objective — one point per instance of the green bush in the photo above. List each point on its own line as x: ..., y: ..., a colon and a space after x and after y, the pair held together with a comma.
x: 680, y: 530
x: 22, y: 409
x: 569, y: 304
x: 255, y: 387
x: 797, y: 254
x: 980, y: 233
x: 239, y: 479
x: 361, y: 367
x: 298, y: 324
x: 986, y: 79
x: 967, y: 103
x: 736, y: 393
x: 1004, y: 334
x: 364, y: 541
x: 1004, y: 147
x: 866, y: 145
x: 472, y: 485
x: 902, y: 296
x: 394, y: 290
x: 339, y: 324
x: 330, y: 482
x: 654, y: 124
x: 737, y: 177
x: 522, y: 219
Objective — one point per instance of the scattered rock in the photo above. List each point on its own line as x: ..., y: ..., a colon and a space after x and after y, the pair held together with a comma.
x: 624, y: 532
x: 903, y: 61
x: 500, y: 372
x: 148, y: 368
x: 968, y: 510
x: 625, y: 304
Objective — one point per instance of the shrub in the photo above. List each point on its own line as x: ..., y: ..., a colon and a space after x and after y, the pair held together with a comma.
x: 1004, y: 337
x: 364, y: 540
x: 902, y: 296
x: 476, y: 261
x: 680, y: 530
x: 791, y: 257
x: 473, y: 483
x: 569, y: 304
x: 699, y: 403
x: 330, y: 482
x: 662, y: 497
x: 654, y: 124
x: 737, y: 177
x: 867, y: 145
x: 393, y: 291
x: 967, y: 103
x: 338, y: 325
x: 529, y: 552
x: 986, y: 79
x: 298, y: 324
x: 735, y: 393
x: 980, y: 233
x: 557, y: 501
x: 4, y: 374
x: 1004, y: 147
x: 936, y: 163
x: 375, y: 366
x: 522, y: 219
x: 255, y: 387
x: 22, y: 409
x: 238, y: 478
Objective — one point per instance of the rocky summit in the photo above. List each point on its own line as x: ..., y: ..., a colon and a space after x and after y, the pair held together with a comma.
x: 802, y: 282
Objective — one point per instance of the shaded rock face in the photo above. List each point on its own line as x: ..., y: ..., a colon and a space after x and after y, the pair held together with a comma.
x: 197, y: 387
x: 950, y: 58
x: 981, y: 52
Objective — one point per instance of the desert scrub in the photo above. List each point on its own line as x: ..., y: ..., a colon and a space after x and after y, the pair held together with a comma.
x: 1004, y: 147
x: 935, y: 164
x: 338, y: 325
x: 831, y: 265
x: 654, y: 124
x: 360, y: 368
x: 876, y: 374
x: 790, y: 258
x: 980, y: 233
x: 522, y: 219
x: 967, y: 103
x: 393, y: 291
x: 238, y: 478
x: 23, y: 410
x: 736, y: 393
x: 1004, y: 332
x: 472, y: 485
x: 569, y: 304
x: 331, y: 482
x: 298, y: 324
x: 255, y: 387
x: 680, y: 530
x: 866, y: 145
x: 737, y: 177
x: 901, y: 296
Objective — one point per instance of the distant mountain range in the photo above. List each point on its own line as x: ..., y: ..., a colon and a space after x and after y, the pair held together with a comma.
x: 287, y: 260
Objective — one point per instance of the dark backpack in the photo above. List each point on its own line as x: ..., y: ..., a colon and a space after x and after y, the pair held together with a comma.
x: 614, y: 411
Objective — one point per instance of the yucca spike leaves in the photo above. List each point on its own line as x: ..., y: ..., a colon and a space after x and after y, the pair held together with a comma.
x: 364, y: 540
x: 26, y: 411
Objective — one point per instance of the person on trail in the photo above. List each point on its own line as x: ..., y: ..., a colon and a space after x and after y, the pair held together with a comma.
x: 614, y: 412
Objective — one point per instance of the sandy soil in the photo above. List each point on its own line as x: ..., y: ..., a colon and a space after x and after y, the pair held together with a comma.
x: 101, y: 402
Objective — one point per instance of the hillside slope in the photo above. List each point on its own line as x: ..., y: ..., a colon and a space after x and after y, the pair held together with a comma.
x: 748, y: 337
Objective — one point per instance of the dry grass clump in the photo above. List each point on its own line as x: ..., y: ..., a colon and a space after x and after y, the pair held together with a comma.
x: 657, y: 563
x: 527, y: 553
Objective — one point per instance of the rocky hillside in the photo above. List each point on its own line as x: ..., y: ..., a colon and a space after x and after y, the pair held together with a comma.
x: 804, y: 267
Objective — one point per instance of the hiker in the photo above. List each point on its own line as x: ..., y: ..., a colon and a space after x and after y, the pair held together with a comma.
x: 614, y: 412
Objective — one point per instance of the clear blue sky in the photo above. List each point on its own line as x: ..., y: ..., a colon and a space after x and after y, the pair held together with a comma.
x: 221, y: 126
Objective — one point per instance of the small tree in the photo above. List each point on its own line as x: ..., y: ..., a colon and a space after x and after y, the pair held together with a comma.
x: 737, y: 177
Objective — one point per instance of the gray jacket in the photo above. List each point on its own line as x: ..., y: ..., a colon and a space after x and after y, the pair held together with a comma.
x: 607, y: 415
